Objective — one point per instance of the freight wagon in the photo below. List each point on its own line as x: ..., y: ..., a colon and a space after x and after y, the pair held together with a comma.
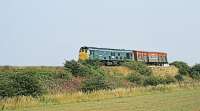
x: 151, y: 58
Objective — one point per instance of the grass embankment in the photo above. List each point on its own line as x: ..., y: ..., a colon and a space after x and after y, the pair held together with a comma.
x: 112, y: 70
x: 165, y: 71
x: 157, y: 71
x: 168, y: 98
x: 139, y: 98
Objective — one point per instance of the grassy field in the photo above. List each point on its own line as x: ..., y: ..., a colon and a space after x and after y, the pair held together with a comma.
x: 175, y: 100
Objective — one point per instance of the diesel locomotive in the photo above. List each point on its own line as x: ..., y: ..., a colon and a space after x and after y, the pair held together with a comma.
x: 116, y: 56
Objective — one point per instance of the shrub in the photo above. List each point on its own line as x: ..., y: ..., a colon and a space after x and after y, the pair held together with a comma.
x: 94, y: 63
x: 136, y: 78
x: 196, y: 68
x: 63, y: 75
x: 27, y: 85
x: 76, y: 68
x: 195, y: 72
x: 96, y: 83
x: 182, y: 66
x: 170, y: 79
x: 19, y: 84
x: 150, y: 80
x: 73, y: 67
x: 140, y: 67
x: 83, y: 69
x: 179, y: 77
x: 195, y: 75
x: 153, y: 80
x: 7, y: 88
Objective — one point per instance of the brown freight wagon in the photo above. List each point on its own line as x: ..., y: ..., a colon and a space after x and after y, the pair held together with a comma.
x: 140, y: 56
x: 152, y: 58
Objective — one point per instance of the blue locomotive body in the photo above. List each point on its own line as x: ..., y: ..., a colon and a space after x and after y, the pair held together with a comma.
x: 106, y: 55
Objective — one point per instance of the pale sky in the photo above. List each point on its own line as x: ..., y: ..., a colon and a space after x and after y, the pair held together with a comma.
x: 46, y: 32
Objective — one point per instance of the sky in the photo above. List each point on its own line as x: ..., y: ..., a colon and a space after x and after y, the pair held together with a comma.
x: 48, y: 32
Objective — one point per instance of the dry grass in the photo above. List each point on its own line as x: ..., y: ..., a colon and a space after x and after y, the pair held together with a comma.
x: 117, y: 70
x: 158, y: 71
x: 164, y: 71
x: 31, y: 68
x: 18, y: 102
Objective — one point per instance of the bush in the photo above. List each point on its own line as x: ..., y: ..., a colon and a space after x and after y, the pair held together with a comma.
x: 63, y: 75
x: 118, y: 80
x: 83, y: 69
x: 94, y: 63
x: 19, y: 84
x: 140, y: 67
x: 196, y: 68
x: 195, y: 72
x: 76, y: 68
x: 7, y: 88
x: 136, y: 78
x: 179, y: 77
x: 170, y: 79
x: 183, y: 67
x: 150, y: 80
x: 154, y: 81
x: 73, y: 66
x: 27, y: 85
x: 195, y: 75
x: 96, y: 83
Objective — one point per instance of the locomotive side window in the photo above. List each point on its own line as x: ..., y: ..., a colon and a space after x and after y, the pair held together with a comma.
x: 118, y: 54
x: 127, y: 55
x: 112, y: 54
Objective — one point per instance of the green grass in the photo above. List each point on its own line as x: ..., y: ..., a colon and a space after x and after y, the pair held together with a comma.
x: 175, y: 100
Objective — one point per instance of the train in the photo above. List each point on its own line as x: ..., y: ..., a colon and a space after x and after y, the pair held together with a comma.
x: 110, y: 56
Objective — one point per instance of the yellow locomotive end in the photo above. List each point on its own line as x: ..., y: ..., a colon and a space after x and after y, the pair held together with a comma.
x: 83, y: 54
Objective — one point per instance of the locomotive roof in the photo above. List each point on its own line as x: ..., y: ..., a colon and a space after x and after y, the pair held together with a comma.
x: 106, y: 49
x: 96, y: 48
